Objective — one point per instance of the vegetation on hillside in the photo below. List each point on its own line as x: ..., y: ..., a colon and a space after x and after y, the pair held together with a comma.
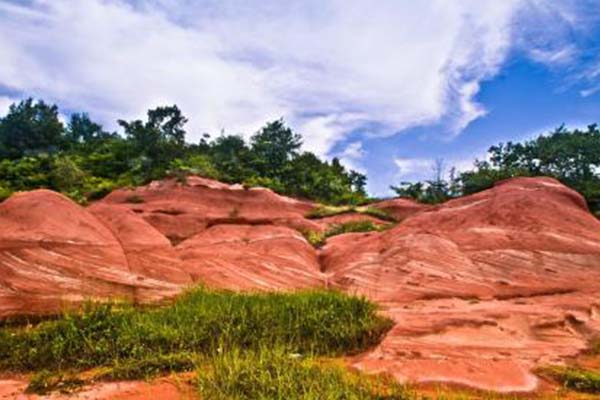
x: 571, y: 156
x: 573, y: 377
x: 131, y: 343
x: 86, y: 162
x: 324, y: 211
x: 318, y: 239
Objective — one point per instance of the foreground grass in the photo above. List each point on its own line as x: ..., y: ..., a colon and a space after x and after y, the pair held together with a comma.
x: 274, y: 374
x: 131, y: 343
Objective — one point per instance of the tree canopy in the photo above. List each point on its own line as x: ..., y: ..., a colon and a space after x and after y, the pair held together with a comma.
x: 571, y: 156
x: 86, y: 162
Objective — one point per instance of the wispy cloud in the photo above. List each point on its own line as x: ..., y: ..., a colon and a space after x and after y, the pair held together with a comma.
x: 352, y: 156
x: 5, y: 103
x: 411, y: 167
x: 329, y: 68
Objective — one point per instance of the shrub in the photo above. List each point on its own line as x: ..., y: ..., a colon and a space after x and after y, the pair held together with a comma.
x: 96, y: 188
x: 197, y: 164
x: 353, y: 226
x: 323, y: 211
x: 574, y: 378
x: 65, y: 175
x: 318, y: 239
x: 269, y: 183
x: 378, y: 213
x: 315, y: 238
x: 4, y: 193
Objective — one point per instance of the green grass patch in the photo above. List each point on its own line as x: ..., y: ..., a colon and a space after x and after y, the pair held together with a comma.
x: 133, y: 343
x: 318, y: 239
x: 276, y: 374
x: 574, y: 378
x: 354, y: 227
x: 315, y: 238
x: 323, y: 211
x: 377, y: 213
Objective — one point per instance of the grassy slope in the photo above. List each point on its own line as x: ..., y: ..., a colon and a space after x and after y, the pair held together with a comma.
x: 224, y: 334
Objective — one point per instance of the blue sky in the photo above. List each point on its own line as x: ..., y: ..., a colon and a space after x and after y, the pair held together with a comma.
x: 388, y: 86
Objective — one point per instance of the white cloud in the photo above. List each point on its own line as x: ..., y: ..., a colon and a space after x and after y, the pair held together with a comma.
x: 321, y: 132
x: 589, y: 91
x: 410, y: 167
x: 418, y: 169
x: 560, y: 56
x: 328, y: 67
x: 5, y: 103
x: 232, y: 65
x: 352, y: 155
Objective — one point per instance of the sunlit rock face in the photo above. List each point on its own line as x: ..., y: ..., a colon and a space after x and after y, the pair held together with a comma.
x: 482, y: 288
x: 54, y: 253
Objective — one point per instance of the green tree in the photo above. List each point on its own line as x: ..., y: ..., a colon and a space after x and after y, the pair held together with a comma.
x: 273, y: 147
x: 232, y: 158
x: 571, y: 156
x: 30, y: 128
x: 433, y: 191
x: 156, y: 142
x: 86, y: 162
x: 81, y: 129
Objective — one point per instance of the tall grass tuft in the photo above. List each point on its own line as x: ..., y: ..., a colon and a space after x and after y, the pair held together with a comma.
x: 201, y: 322
x: 276, y: 374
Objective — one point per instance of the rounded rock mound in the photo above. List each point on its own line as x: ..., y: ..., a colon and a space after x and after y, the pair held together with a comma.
x: 54, y: 253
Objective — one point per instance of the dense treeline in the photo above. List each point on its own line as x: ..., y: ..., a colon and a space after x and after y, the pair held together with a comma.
x: 571, y: 156
x: 86, y: 162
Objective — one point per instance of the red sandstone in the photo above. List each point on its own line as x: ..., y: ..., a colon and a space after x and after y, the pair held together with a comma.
x: 482, y: 288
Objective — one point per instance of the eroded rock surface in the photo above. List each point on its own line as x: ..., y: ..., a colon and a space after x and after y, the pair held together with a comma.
x: 482, y: 288
x: 148, y: 252
x: 54, y: 253
x: 246, y: 257
x: 180, y: 211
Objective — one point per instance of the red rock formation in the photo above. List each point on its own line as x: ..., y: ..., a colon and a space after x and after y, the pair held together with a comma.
x: 167, y: 388
x: 400, y: 208
x: 149, y: 253
x: 482, y: 288
x: 54, y: 252
x: 251, y: 257
x: 180, y: 210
